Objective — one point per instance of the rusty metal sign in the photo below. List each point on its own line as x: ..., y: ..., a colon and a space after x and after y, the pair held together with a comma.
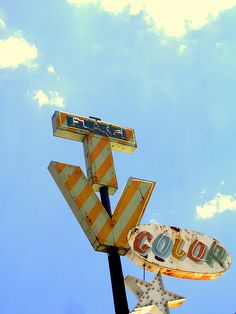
x: 102, y: 230
x: 99, y: 139
x: 177, y: 252
x: 165, y: 250
x: 75, y: 127
x: 106, y: 231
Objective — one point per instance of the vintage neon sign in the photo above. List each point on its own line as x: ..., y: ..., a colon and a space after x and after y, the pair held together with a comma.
x: 76, y: 128
x: 103, y: 229
x: 177, y: 252
x: 96, y: 127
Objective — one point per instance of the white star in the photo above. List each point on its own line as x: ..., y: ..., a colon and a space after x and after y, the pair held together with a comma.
x: 153, y: 293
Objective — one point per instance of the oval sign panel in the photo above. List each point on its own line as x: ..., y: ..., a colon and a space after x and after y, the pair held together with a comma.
x: 177, y: 252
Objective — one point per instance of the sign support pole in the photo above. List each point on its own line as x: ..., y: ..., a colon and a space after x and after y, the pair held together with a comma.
x: 116, y: 273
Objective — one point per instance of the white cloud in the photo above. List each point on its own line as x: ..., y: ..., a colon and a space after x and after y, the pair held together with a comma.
x: 50, y: 99
x: 2, y: 24
x: 51, y: 69
x: 182, y: 48
x: 15, y: 51
x: 219, y: 204
x: 174, y: 17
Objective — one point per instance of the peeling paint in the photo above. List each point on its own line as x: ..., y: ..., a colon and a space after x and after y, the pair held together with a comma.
x: 178, y: 252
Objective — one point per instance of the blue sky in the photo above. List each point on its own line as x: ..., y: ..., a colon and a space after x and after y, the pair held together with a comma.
x: 168, y: 71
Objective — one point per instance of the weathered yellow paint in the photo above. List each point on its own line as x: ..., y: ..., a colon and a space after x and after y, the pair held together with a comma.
x: 102, y: 230
x: 99, y: 138
x: 99, y: 163
x: 61, y: 129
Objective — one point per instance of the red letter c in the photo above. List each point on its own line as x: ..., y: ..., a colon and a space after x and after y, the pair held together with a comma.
x: 139, y: 240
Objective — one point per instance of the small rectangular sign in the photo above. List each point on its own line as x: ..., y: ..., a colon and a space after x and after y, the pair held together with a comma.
x: 97, y: 127
x: 77, y: 127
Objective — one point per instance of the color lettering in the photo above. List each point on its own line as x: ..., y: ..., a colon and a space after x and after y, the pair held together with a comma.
x: 177, y: 251
x: 139, y: 242
x: 216, y: 254
x: 197, y: 251
x: 162, y: 246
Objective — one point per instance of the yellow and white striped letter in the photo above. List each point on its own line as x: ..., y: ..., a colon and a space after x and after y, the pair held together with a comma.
x: 102, y: 230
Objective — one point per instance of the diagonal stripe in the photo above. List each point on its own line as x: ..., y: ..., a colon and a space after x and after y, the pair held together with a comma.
x: 79, y: 186
x: 84, y: 194
x: 82, y: 214
x: 107, y: 164
x: 89, y: 204
x: 122, y: 204
x: 100, y: 167
x: 126, y: 198
x: 73, y: 179
x: 106, y: 179
x: 92, y: 140
x: 95, y: 211
x: 101, y: 157
x: 60, y: 167
x: 98, y: 148
x: 136, y: 203
x: 113, y: 181
x: 102, y: 219
x: 102, y: 230
x: 121, y: 240
x: 105, y: 231
x: 66, y: 173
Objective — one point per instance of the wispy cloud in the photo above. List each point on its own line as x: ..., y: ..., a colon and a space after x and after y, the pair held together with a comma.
x: 218, y: 205
x: 2, y: 24
x: 51, y: 69
x: 51, y: 99
x: 174, y: 17
x: 16, y: 51
x: 182, y: 49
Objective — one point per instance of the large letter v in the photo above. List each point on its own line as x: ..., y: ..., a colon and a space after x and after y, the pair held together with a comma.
x: 102, y: 230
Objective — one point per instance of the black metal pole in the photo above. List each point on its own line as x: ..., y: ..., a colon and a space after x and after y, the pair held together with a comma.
x: 116, y: 273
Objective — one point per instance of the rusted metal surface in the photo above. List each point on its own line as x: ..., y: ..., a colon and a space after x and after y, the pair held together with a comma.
x: 106, y: 232
x: 177, y: 252
x: 102, y: 230
x: 153, y: 293
x: 76, y: 127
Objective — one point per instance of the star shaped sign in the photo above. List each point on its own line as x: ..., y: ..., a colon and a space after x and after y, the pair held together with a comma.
x: 153, y: 294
